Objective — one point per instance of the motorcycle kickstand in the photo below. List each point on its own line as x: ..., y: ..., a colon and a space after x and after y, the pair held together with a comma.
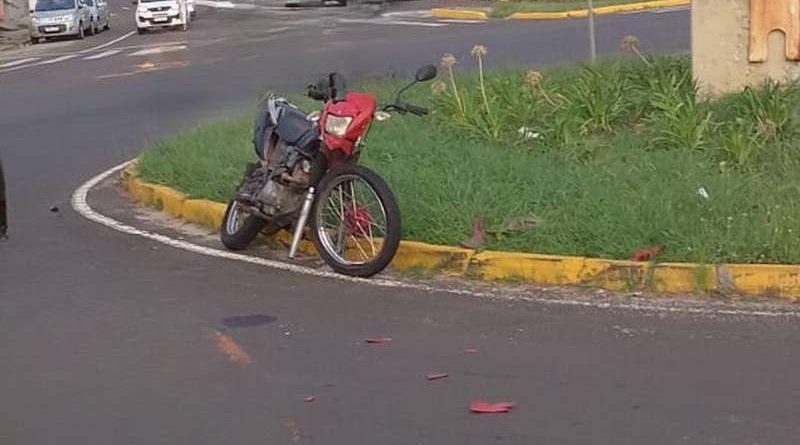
x: 301, y: 222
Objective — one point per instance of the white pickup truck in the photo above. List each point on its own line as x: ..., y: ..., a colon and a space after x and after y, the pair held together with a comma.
x: 152, y: 14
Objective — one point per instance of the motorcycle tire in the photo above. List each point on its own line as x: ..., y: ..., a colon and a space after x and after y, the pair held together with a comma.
x: 391, y: 238
x: 237, y: 235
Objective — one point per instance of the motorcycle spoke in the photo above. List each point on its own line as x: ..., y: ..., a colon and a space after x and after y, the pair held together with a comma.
x: 353, y: 221
x: 360, y: 249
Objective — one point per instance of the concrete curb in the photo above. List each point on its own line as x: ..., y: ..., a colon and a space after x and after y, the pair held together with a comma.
x: 459, y: 14
x: 776, y: 281
x: 477, y: 14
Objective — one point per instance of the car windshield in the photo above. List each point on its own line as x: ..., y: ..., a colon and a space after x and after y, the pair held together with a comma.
x: 54, y: 5
x: 150, y: 1
x: 88, y: 2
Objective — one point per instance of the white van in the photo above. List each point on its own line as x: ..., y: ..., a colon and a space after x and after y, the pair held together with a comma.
x: 152, y: 14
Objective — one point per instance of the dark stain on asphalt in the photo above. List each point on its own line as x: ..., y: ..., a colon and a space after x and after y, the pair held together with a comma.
x: 248, y: 321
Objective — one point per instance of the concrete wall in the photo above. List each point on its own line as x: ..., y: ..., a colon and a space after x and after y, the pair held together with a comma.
x: 720, y: 48
x: 15, y: 23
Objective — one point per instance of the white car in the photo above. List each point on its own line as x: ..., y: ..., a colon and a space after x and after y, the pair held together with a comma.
x: 151, y: 14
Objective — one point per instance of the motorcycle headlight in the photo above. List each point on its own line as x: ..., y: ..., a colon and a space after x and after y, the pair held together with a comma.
x: 337, y: 125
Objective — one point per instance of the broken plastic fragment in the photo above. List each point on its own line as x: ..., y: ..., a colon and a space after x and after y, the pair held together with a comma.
x: 528, y: 133
x: 471, y: 350
x: 475, y: 241
x: 647, y: 253
x: 309, y: 399
x: 481, y: 407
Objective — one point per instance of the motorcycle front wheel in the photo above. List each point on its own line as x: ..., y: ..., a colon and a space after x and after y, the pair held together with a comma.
x: 239, y: 228
x: 355, y: 221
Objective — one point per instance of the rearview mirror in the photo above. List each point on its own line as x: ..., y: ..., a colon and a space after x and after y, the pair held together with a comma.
x: 426, y: 73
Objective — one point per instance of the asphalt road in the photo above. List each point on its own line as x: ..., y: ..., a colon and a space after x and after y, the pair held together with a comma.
x: 107, y: 338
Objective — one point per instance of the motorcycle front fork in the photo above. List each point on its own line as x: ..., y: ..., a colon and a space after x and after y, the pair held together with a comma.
x: 301, y: 222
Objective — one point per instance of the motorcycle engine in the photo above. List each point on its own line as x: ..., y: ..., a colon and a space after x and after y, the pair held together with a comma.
x: 278, y: 186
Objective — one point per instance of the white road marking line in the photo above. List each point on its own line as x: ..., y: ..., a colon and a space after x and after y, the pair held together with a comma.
x: 157, y: 50
x: 153, y: 45
x: 212, y: 4
x: 18, y: 67
x: 80, y: 205
x: 67, y: 56
x: 104, y: 54
x: 231, y: 5
x: 107, y: 44
x: 19, y: 62
x: 657, y: 11
x: 58, y: 59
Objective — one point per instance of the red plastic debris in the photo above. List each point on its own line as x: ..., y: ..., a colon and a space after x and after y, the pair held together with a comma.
x: 471, y: 350
x: 379, y: 340
x: 436, y: 376
x: 309, y: 399
x: 647, y: 253
x: 481, y: 407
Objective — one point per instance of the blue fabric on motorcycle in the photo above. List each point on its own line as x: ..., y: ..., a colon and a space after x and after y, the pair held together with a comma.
x: 295, y: 129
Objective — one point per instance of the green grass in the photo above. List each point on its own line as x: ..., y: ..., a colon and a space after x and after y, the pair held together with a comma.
x: 502, y: 9
x: 613, y: 171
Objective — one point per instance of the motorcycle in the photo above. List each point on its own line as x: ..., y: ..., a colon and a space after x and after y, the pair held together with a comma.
x: 308, y: 170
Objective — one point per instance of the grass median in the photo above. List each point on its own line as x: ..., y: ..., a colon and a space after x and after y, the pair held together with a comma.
x: 599, y: 161
x: 502, y: 9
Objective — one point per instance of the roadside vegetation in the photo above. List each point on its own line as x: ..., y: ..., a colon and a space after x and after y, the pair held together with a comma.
x: 502, y: 9
x: 597, y: 160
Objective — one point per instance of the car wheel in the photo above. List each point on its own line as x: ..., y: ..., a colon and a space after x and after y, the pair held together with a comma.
x: 34, y: 40
x: 92, y: 28
x: 81, y: 35
x: 140, y: 30
x: 108, y: 25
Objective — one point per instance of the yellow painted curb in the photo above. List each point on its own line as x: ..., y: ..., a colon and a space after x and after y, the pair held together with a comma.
x: 603, y: 10
x: 203, y: 211
x: 447, y: 260
x: 777, y: 281
x: 457, y: 13
x: 613, y: 9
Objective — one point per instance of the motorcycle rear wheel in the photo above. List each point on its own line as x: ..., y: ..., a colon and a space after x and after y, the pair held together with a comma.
x: 355, y: 221
x: 239, y: 228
